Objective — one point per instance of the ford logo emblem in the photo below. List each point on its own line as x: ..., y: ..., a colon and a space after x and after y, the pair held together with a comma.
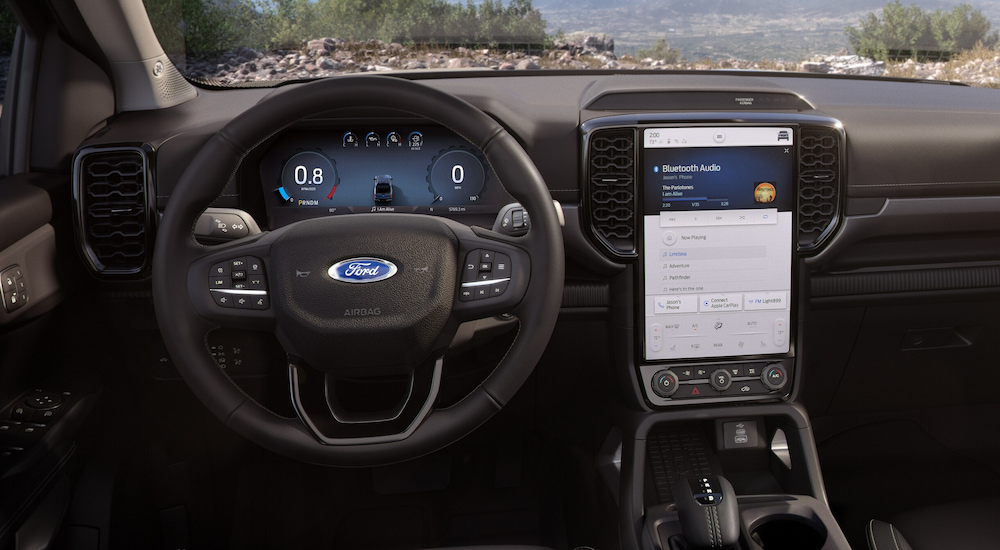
x: 362, y: 270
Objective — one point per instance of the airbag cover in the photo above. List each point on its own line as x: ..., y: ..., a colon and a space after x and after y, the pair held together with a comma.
x: 339, y: 325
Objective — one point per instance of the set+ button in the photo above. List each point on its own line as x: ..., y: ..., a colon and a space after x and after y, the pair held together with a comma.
x: 239, y: 283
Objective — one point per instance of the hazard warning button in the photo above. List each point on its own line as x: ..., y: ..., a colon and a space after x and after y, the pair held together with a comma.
x: 694, y: 391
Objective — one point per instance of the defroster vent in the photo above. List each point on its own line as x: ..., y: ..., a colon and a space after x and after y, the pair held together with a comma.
x: 612, y: 189
x: 820, y: 169
x: 112, y: 192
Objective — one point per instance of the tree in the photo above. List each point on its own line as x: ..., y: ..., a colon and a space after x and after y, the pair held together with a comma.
x: 910, y: 31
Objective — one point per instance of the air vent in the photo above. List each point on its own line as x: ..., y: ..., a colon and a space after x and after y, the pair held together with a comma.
x: 112, y: 194
x: 612, y: 189
x: 819, y: 185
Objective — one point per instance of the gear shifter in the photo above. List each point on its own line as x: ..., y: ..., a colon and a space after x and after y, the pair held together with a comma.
x: 708, y: 512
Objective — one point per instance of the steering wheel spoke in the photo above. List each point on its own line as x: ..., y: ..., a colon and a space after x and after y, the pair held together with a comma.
x: 493, y: 276
x: 230, y: 287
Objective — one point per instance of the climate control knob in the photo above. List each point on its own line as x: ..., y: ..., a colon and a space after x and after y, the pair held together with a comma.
x: 664, y: 383
x: 721, y: 380
x: 774, y: 377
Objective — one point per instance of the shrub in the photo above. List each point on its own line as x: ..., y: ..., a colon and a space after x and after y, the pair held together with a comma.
x: 660, y: 50
x: 908, y: 31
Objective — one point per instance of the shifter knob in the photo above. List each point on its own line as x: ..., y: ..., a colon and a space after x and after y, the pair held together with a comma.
x: 708, y: 512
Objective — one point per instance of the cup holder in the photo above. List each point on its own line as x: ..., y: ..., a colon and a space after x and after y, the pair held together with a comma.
x: 788, y: 533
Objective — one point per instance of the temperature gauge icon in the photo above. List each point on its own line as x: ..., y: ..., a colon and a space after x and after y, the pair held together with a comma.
x: 393, y: 140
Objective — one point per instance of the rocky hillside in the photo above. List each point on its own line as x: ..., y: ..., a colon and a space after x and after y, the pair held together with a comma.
x: 332, y: 56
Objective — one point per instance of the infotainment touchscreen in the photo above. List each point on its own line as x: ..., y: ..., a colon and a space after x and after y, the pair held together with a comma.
x: 717, y: 219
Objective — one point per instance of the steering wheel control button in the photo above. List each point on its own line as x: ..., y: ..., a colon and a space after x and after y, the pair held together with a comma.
x: 485, y: 274
x: 721, y: 380
x: 774, y: 377
x: 501, y: 266
x: 220, y: 269
x: 239, y: 283
x: 664, y: 383
x: 43, y: 400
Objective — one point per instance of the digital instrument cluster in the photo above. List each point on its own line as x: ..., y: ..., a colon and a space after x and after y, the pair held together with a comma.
x: 311, y: 172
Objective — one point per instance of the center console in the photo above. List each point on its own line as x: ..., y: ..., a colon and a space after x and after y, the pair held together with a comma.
x: 712, y: 215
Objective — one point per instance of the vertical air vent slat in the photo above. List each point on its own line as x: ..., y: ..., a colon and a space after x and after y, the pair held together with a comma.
x: 112, y: 208
x: 819, y: 185
x: 612, y: 189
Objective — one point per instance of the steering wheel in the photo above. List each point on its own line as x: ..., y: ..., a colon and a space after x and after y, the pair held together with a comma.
x: 360, y: 295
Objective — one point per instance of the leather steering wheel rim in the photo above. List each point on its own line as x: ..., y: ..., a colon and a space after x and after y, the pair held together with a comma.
x: 184, y: 330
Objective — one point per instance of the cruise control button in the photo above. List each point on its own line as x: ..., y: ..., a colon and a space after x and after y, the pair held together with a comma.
x: 218, y: 282
x: 497, y: 289
x: 222, y: 299
x: 254, y: 266
x: 220, y: 269
x: 241, y: 285
x: 261, y: 302
x: 238, y: 264
x: 256, y: 282
x: 239, y: 275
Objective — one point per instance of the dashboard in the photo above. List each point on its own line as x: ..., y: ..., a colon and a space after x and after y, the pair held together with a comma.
x: 376, y: 168
x: 702, y: 211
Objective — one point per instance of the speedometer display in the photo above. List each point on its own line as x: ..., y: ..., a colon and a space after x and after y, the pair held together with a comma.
x: 310, y: 172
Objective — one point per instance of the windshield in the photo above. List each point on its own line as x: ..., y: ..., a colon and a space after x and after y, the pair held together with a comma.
x: 229, y: 42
